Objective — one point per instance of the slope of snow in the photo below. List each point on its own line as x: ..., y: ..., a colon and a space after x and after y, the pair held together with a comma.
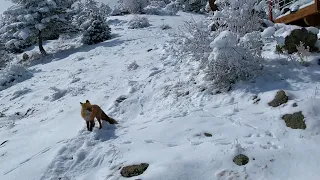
x: 162, y: 116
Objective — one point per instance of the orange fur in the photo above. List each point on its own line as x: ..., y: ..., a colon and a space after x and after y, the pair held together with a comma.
x: 90, y: 111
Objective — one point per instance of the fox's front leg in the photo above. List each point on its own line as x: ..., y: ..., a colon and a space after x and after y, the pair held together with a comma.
x: 92, y: 115
x: 88, y: 125
x: 91, y: 125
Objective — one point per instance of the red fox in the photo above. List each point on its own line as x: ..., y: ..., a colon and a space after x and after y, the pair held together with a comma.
x: 90, y: 111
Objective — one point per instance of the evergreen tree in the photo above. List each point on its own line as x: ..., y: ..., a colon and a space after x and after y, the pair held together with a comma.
x: 193, y: 5
x: 92, y: 20
x: 32, y: 21
x: 98, y: 31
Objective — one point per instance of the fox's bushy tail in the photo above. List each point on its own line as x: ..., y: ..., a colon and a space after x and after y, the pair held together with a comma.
x: 107, y: 118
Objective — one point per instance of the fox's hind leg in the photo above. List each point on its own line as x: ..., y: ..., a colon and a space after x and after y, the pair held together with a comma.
x: 99, y: 121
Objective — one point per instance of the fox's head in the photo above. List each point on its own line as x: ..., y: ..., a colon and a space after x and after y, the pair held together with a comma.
x: 86, y: 105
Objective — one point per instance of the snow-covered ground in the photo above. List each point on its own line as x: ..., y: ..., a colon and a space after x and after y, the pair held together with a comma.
x: 162, y: 118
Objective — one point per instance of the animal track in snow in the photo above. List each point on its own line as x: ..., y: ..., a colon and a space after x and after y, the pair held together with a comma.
x: 142, y: 128
x: 249, y: 142
x: 20, y: 93
x: 127, y: 142
x: 270, y: 145
x: 3, y: 143
x: 266, y: 133
x: 149, y: 141
x: 196, y: 143
x: 231, y: 175
x: 154, y: 73
x: 120, y: 99
x: 58, y: 93
x: 146, y: 122
x: 87, y: 150
x: 28, y: 159
x: 172, y: 145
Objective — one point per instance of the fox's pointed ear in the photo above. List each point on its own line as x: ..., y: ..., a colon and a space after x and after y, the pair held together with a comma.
x: 87, y: 101
x: 81, y: 103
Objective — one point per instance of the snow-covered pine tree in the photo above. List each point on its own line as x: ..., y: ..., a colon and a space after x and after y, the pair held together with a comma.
x: 193, y: 5
x: 83, y: 11
x: 32, y: 21
x: 97, y: 31
x: 105, y: 9
x: 92, y: 19
x: 134, y: 6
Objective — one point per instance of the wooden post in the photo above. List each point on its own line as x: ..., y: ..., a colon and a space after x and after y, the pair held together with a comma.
x: 40, y: 44
x: 270, y: 10
x: 212, y: 5
x: 317, y: 5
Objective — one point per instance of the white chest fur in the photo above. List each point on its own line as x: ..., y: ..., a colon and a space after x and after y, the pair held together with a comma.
x: 87, y: 115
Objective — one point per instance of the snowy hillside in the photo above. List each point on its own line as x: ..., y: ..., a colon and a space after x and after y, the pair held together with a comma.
x: 166, y: 118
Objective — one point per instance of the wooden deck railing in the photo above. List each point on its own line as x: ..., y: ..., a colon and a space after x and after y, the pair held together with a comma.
x: 306, y: 12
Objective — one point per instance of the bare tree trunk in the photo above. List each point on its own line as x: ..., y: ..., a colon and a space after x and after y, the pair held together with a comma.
x: 43, y: 52
x: 213, y: 5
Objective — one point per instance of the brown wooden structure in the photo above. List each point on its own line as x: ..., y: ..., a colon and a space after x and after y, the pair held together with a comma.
x: 309, y: 15
x: 212, y: 5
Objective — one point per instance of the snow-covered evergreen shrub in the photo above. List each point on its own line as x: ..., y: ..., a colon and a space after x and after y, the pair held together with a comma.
x: 138, y: 22
x: 84, y: 11
x: 157, y: 7
x: 119, y: 9
x: 92, y: 20
x: 239, y: 16
x: 5, y: 58
x: 134, y: 6
x: 230, y: 62
x: 172, y: 8
x: 98, y: 31
x: 105, y: 9
x: 116, y: 11
x: 13, y: 74
x: 193, y: 5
